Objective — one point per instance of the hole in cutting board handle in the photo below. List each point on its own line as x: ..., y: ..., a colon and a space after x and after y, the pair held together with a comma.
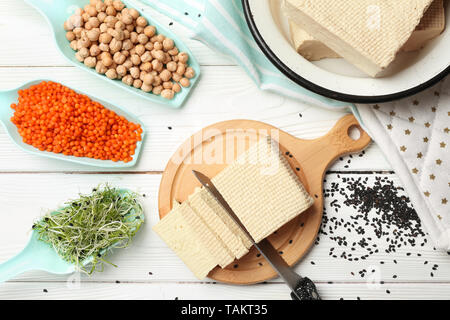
x: 354, y: 132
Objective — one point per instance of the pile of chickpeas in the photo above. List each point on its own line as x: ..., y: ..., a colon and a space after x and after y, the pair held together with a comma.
x: 119, y: 43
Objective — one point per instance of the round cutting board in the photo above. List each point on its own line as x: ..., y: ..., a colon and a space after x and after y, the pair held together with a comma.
x: 215, y: 147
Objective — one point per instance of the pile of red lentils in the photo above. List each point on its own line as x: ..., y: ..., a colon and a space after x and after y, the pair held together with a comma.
x: 54, y: 118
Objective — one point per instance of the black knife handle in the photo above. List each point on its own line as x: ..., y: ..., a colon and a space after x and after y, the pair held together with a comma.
x: 305, y: 291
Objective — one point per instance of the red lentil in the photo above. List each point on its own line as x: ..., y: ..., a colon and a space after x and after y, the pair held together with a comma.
x: 54, y: 118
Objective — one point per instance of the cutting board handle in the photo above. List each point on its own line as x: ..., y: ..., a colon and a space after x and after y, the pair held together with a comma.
x: 316, y: 156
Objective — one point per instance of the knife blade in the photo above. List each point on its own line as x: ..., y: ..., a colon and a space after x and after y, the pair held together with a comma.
x: 302, y: 288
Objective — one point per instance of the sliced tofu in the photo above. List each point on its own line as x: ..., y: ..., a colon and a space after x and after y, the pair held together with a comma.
x: 262, y: 189
x: 189, y: 245
x: 430, y: 27
x: 213, y: 220
x: 367, y: 33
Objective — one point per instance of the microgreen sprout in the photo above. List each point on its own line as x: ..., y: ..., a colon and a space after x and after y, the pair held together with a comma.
x: 85, y: 229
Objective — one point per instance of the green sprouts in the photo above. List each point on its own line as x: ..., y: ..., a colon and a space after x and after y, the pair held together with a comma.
x: 84, y: 230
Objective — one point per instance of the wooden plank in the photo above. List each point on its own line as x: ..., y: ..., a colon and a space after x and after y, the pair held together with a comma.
x: 224, y: 93
x: 27, y: 39
x: 24, y: 197
x: 198, y: 291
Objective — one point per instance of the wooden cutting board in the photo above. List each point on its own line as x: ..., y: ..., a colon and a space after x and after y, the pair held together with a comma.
x: 215, y: 147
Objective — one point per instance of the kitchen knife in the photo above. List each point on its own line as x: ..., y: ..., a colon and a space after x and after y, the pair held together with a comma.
x: 301, y: 288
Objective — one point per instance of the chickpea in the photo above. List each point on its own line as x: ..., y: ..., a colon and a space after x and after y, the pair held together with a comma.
x: 147, y: 66
x: 173, y: 52
x: 84, y: 42
x: 136, y: 59
x: 190, y: 73
x: 90, y: 62
x: 142, y: 38
x: 85, y: 17
x: 77, y: 21
x: 185, y: 82
x: 139, y: 49
x: 128, y: 80
x: 134, y: 13
x: 172, y: 66
x: 121, y: 70
x: 168, y: 85
x: 88, y: 26
x: 100, y: 7
x: 101, y: 17
x: 91, y: 11
x: 103, y: 28
x: 146, y: 88
x: 118, y: 5
x: 127, y: 19
x: 68, y: 25
x: 130, y: 27
x: 119, y: 25
x: 79, y: 57
x: 119, y: 58
x: 115, y: 46
x: 157, y: 65
x: 158, y: 45
x: 183, y: 57
x: 140, y: 30
x: 159, y: 55
x: 154, y: 39
x: 94, y: 50
x: 111, y: 21
x: 167, y: 58
x: 176, y: 87
x: 135, y: 72
x: 101, y: 68
x: 149, y: 46
x: 149, y: 79
x: 109, y: 2
x: 110, y: 11
x: 107, y: 59
x: 126, y: 53
x: 157, y: 81
x: 150, y: 31
x: 142, y: 75
x: 146, y: 57
x: 127, y: 45
x: 70, y: 36
x: 176, y: 77
x: 160, y: 38
x: 128, y: 64
x: 168, y: 44
x: 73, y: 44
x: 93, y: 35
x: 104, y: 47
x: 141, y: 22
x: 111, y: 74
x: 94, y: 22
x: 166, y: 75
x: 137, y: 83
x: 134, y: 37
x: 181, y: 69
x: 157, y: 90
x: 167, y: 94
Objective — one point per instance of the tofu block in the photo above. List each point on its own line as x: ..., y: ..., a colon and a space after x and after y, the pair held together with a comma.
x: 192, y: 241
x: 367, y: 33
x: 262, y: 189
x: 310, y: 48
x: 178, y: 234
x: 430, y: 27
x: 214, y: 221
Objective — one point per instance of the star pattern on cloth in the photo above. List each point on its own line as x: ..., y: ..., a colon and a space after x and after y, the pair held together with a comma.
x: 419, y: 129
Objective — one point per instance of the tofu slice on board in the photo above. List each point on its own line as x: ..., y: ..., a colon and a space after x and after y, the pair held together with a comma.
x: 263, y: 190
x: 183, y: 239
x: 367, y: 33
x: 213, y: 217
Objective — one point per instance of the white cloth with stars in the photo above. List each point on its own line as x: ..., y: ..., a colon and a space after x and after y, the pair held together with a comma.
x: 414, y: 136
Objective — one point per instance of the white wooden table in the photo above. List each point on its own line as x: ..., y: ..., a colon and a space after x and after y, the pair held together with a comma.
x: 148, y: 269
